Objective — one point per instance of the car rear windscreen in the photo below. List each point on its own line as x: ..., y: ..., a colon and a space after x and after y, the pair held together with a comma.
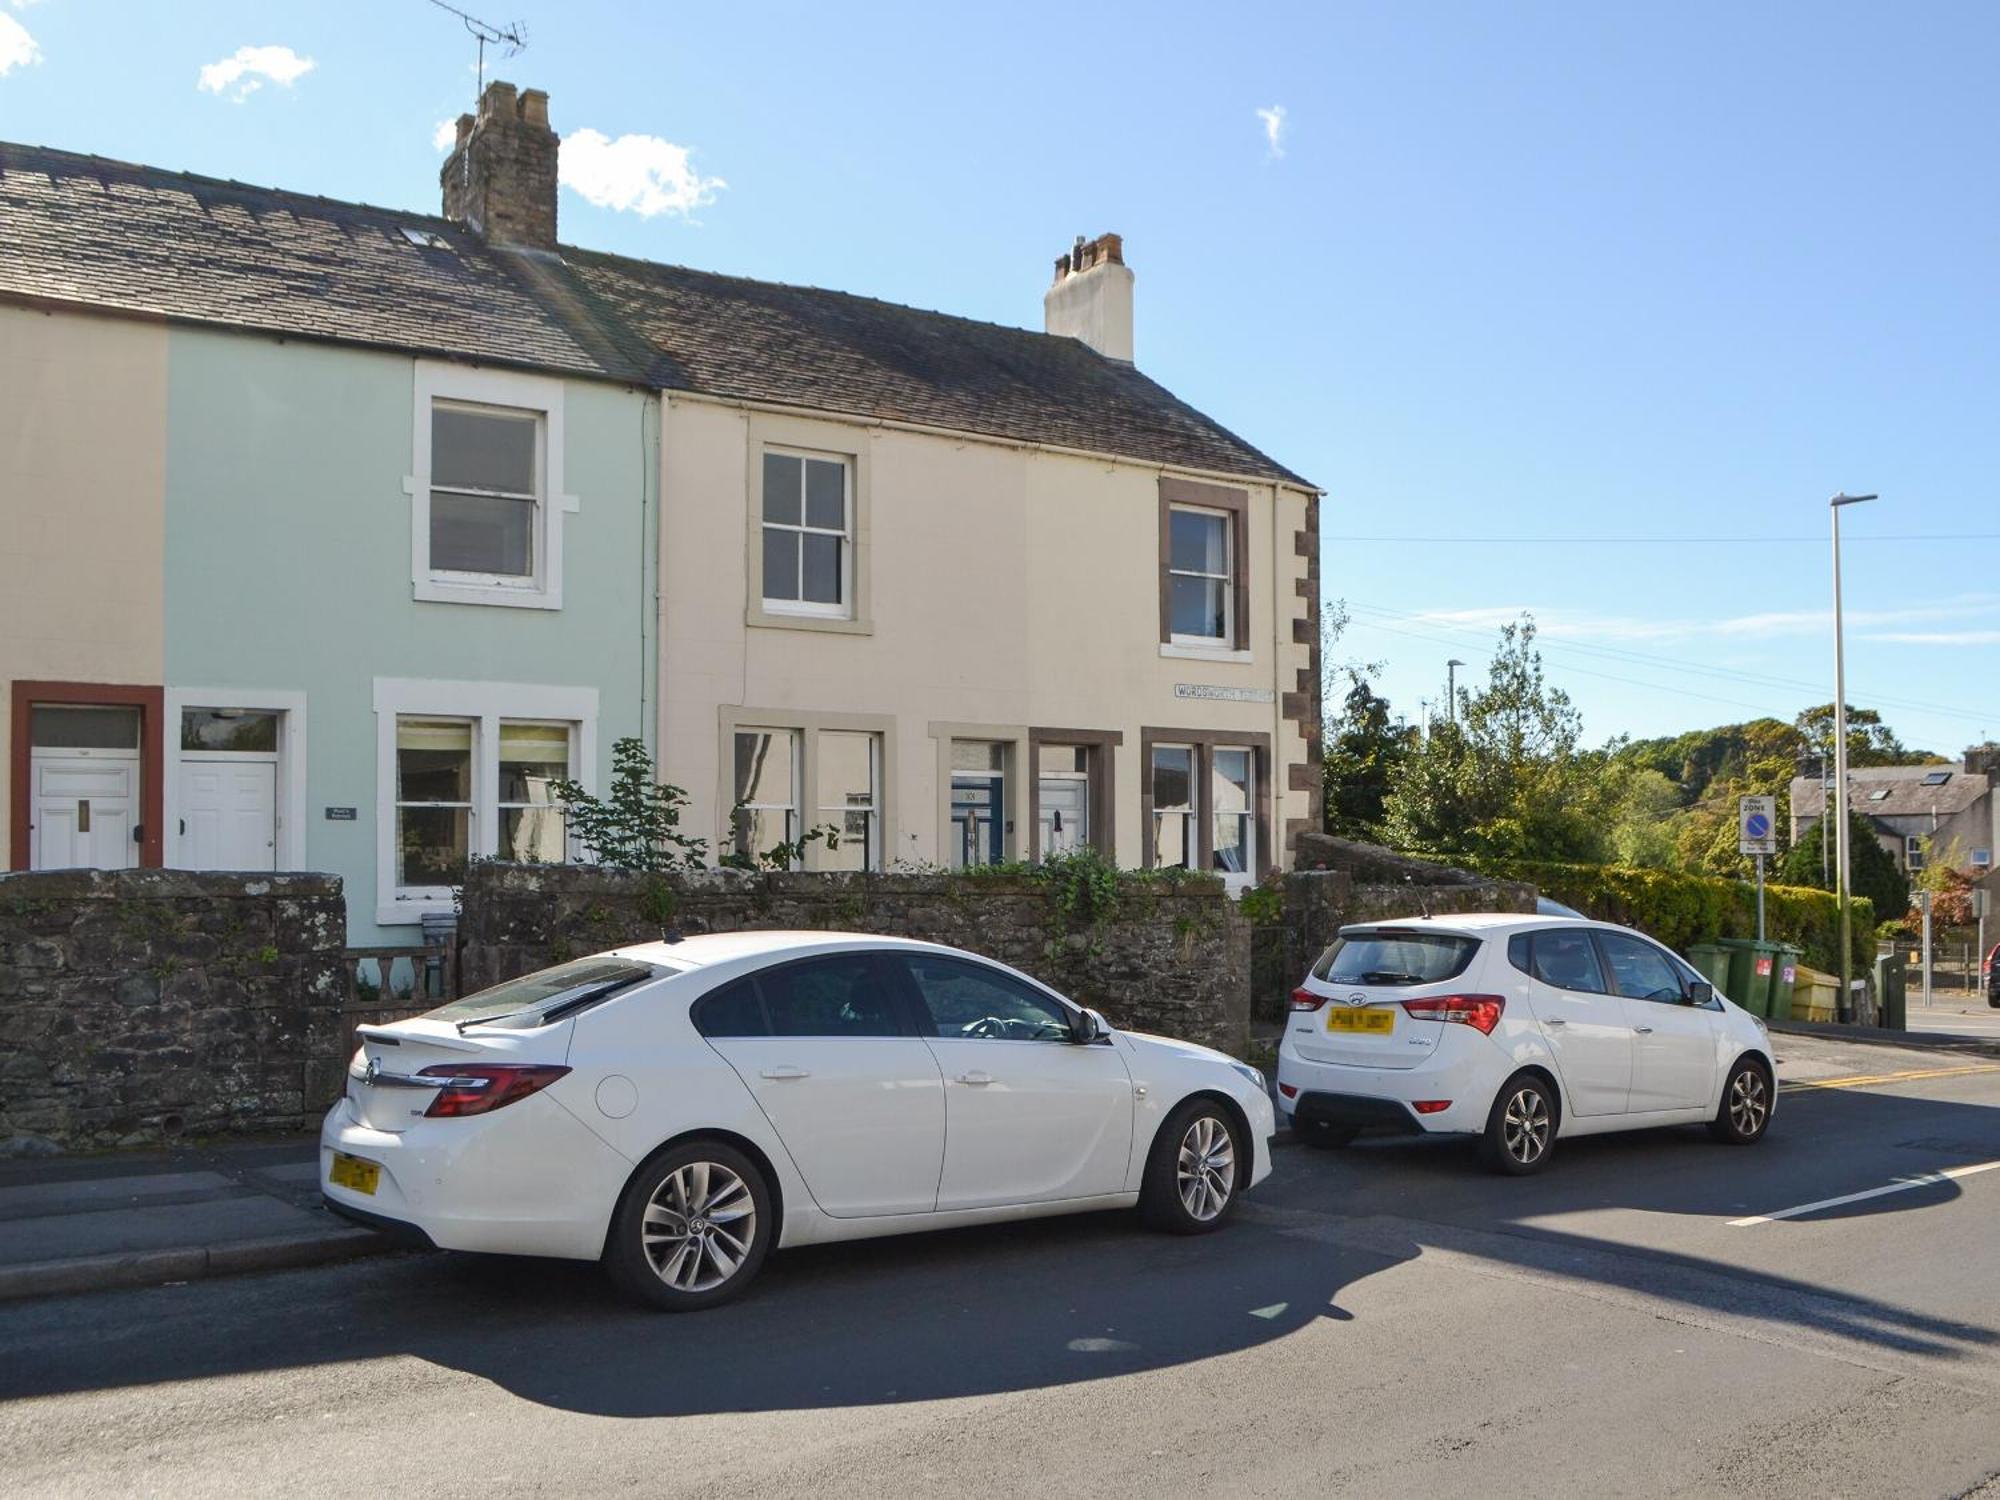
x: 1388, y: 956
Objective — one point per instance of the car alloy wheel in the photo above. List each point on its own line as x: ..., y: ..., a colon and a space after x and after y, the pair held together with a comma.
x: 1746, y: 1105
x: 698, y: 1226
x: 1524, y: 1128
x: 692, y: 1228
x: 1205, y: 1170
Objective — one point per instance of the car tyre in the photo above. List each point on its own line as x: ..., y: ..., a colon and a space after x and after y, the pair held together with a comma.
x: 1521, y: 1127
x: 692, y: 1228
x: 1745, y: 1112
x: 1196, y: 1170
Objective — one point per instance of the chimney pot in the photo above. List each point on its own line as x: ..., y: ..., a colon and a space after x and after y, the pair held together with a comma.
x: 500, y: 179
x: 1091, y: 299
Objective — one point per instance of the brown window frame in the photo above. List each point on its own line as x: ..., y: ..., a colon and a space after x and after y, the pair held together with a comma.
x: 1236, y: 505
x: 1205, y: 743
x: 1103, y: 783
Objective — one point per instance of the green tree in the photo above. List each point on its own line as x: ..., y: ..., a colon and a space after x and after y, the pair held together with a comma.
x: 1642, y: 819
x: 1365, y: 751
x: 1870, y: 742
x: 1873, y: 871
x: 637, y: 827
x: 1510, y: 778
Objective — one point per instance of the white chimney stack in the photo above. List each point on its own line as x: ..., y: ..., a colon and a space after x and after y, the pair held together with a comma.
x: 1092, y: 297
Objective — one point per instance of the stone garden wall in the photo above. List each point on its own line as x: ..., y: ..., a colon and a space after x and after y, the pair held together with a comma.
x: 1152, y: 955
x: 138, y: 1005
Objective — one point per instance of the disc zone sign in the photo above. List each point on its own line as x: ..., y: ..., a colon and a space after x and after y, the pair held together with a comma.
x: 1757, y: 825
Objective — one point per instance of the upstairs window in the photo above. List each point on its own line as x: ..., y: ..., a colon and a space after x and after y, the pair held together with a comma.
x: 486, y: 492
x: 808, y: 534
x: 1201, y: 581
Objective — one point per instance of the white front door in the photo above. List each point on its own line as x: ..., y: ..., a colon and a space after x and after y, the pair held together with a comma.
x: 228, y: 815
x: 86, y: 805
x: 1030, y: 1116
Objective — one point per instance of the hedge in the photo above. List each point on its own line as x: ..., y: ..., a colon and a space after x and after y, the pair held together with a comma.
x: 1681, y: 910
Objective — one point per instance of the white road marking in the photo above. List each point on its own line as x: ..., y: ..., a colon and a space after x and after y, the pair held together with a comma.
x: 1901, y: 1185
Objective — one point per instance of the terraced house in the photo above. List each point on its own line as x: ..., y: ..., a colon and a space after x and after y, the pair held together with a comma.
x: 334, y: 534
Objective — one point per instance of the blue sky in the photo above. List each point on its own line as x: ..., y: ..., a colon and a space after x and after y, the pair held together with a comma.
x: 1510, y: 280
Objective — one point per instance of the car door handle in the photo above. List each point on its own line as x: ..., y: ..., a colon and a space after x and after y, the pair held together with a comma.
x: 975, y: 1076
x: 1555, y: 1021
x: 1643, y: 1030
x: 786, y: 1071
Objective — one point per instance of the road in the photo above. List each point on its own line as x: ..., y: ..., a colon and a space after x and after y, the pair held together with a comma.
x: 1953, y: 1013
x: 1382, y: 1321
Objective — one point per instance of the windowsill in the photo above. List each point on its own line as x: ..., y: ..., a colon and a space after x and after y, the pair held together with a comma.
x: 775, y: 619
x: 441, y: 591
x: 1180, y: 651
x: 410, y: 913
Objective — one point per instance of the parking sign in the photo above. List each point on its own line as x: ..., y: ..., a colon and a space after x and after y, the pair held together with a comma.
x: 1757, y: 825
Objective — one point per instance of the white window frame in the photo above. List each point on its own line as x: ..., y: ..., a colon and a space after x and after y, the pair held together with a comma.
x: 1191, y: 810
x: 872, y: 855
x: 794, y: 809
x: 844, y: 610
x: 486, y: 704
x: 1248, y: 814
x: 458, y: 385
x: 1913, y: 852
x: 500, y: 808
x: 1227, y: 577
x: 290, y: 706
x: 887, y: 839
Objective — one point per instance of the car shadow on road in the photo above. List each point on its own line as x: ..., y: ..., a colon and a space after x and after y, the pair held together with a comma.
x: 1055, y: 1302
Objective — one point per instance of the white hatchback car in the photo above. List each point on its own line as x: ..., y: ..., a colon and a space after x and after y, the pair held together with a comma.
x: 1516, y: 1029
x: 679, y: 1109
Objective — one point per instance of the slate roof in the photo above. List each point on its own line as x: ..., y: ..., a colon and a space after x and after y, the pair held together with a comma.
x: 87, y: 231
x: 1908, y: 796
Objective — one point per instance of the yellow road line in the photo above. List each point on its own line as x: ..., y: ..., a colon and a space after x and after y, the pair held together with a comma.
x: 1868, y: 1080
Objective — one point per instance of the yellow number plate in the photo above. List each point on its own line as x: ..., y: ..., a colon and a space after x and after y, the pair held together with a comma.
x: 353, y: 1172
x: 1375, y: 1020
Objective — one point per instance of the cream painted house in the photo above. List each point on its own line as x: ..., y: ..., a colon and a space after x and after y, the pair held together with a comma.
x: 409, y: 514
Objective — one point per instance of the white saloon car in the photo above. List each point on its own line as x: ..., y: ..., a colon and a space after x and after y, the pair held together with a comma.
x: 1516, y: 1030
x: 679, y: 1109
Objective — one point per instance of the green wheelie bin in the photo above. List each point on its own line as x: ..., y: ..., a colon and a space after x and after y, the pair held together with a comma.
x: 1751, y: 964
x: 1711, y: 961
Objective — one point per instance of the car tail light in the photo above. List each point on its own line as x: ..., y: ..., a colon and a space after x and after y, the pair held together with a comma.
x: 1305, y: 999
x: 1289, y: 1090
x: 1429, y: 1106
x: 478, y: 1089
x: 1481, y: 1012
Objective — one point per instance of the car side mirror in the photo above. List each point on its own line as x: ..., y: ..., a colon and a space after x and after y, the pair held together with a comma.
x: 1700, y: 992
x: 1085, y: 1028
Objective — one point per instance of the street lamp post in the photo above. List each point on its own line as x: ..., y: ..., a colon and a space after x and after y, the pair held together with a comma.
x: 1846, y: 1003
x: 1451, y: 685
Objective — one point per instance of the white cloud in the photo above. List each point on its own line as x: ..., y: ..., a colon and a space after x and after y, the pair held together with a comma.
x: 17, y: 47
x: 1560, y: 624
x: 640, y: 174
x: 445, y: 136
x: 245, y: 71
x: 1274, y: 128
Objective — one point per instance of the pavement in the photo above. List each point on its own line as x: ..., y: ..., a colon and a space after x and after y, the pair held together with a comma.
x: 1655, y: 1314
x: 134, y: 1218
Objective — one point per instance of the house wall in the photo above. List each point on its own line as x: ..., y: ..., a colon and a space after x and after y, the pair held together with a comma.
x: 82, y: 466
x: 1005, y: 587
x: 288, y: 572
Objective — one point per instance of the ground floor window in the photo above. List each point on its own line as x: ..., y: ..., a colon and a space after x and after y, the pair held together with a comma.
x: 468, y: 771
x: 850, y: 799
x: 786, y: 780
x: 1174, y: 813
x: 767, y: 790
x: 1207, y: 802
x: 1232, y: 841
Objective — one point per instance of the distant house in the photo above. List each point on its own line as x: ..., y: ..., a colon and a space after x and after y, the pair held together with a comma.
x: 1914, y: 807
x: 334, y: 534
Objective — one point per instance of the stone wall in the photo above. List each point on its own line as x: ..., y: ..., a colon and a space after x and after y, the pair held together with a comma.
x: 1165, y: 957
x: 138, y: 1005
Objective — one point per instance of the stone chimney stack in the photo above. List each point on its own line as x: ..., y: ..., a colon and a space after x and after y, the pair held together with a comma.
x: 500, y: 180
x: 1092, y: 297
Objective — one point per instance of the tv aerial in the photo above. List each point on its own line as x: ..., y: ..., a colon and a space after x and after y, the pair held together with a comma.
x: 513, y: 37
